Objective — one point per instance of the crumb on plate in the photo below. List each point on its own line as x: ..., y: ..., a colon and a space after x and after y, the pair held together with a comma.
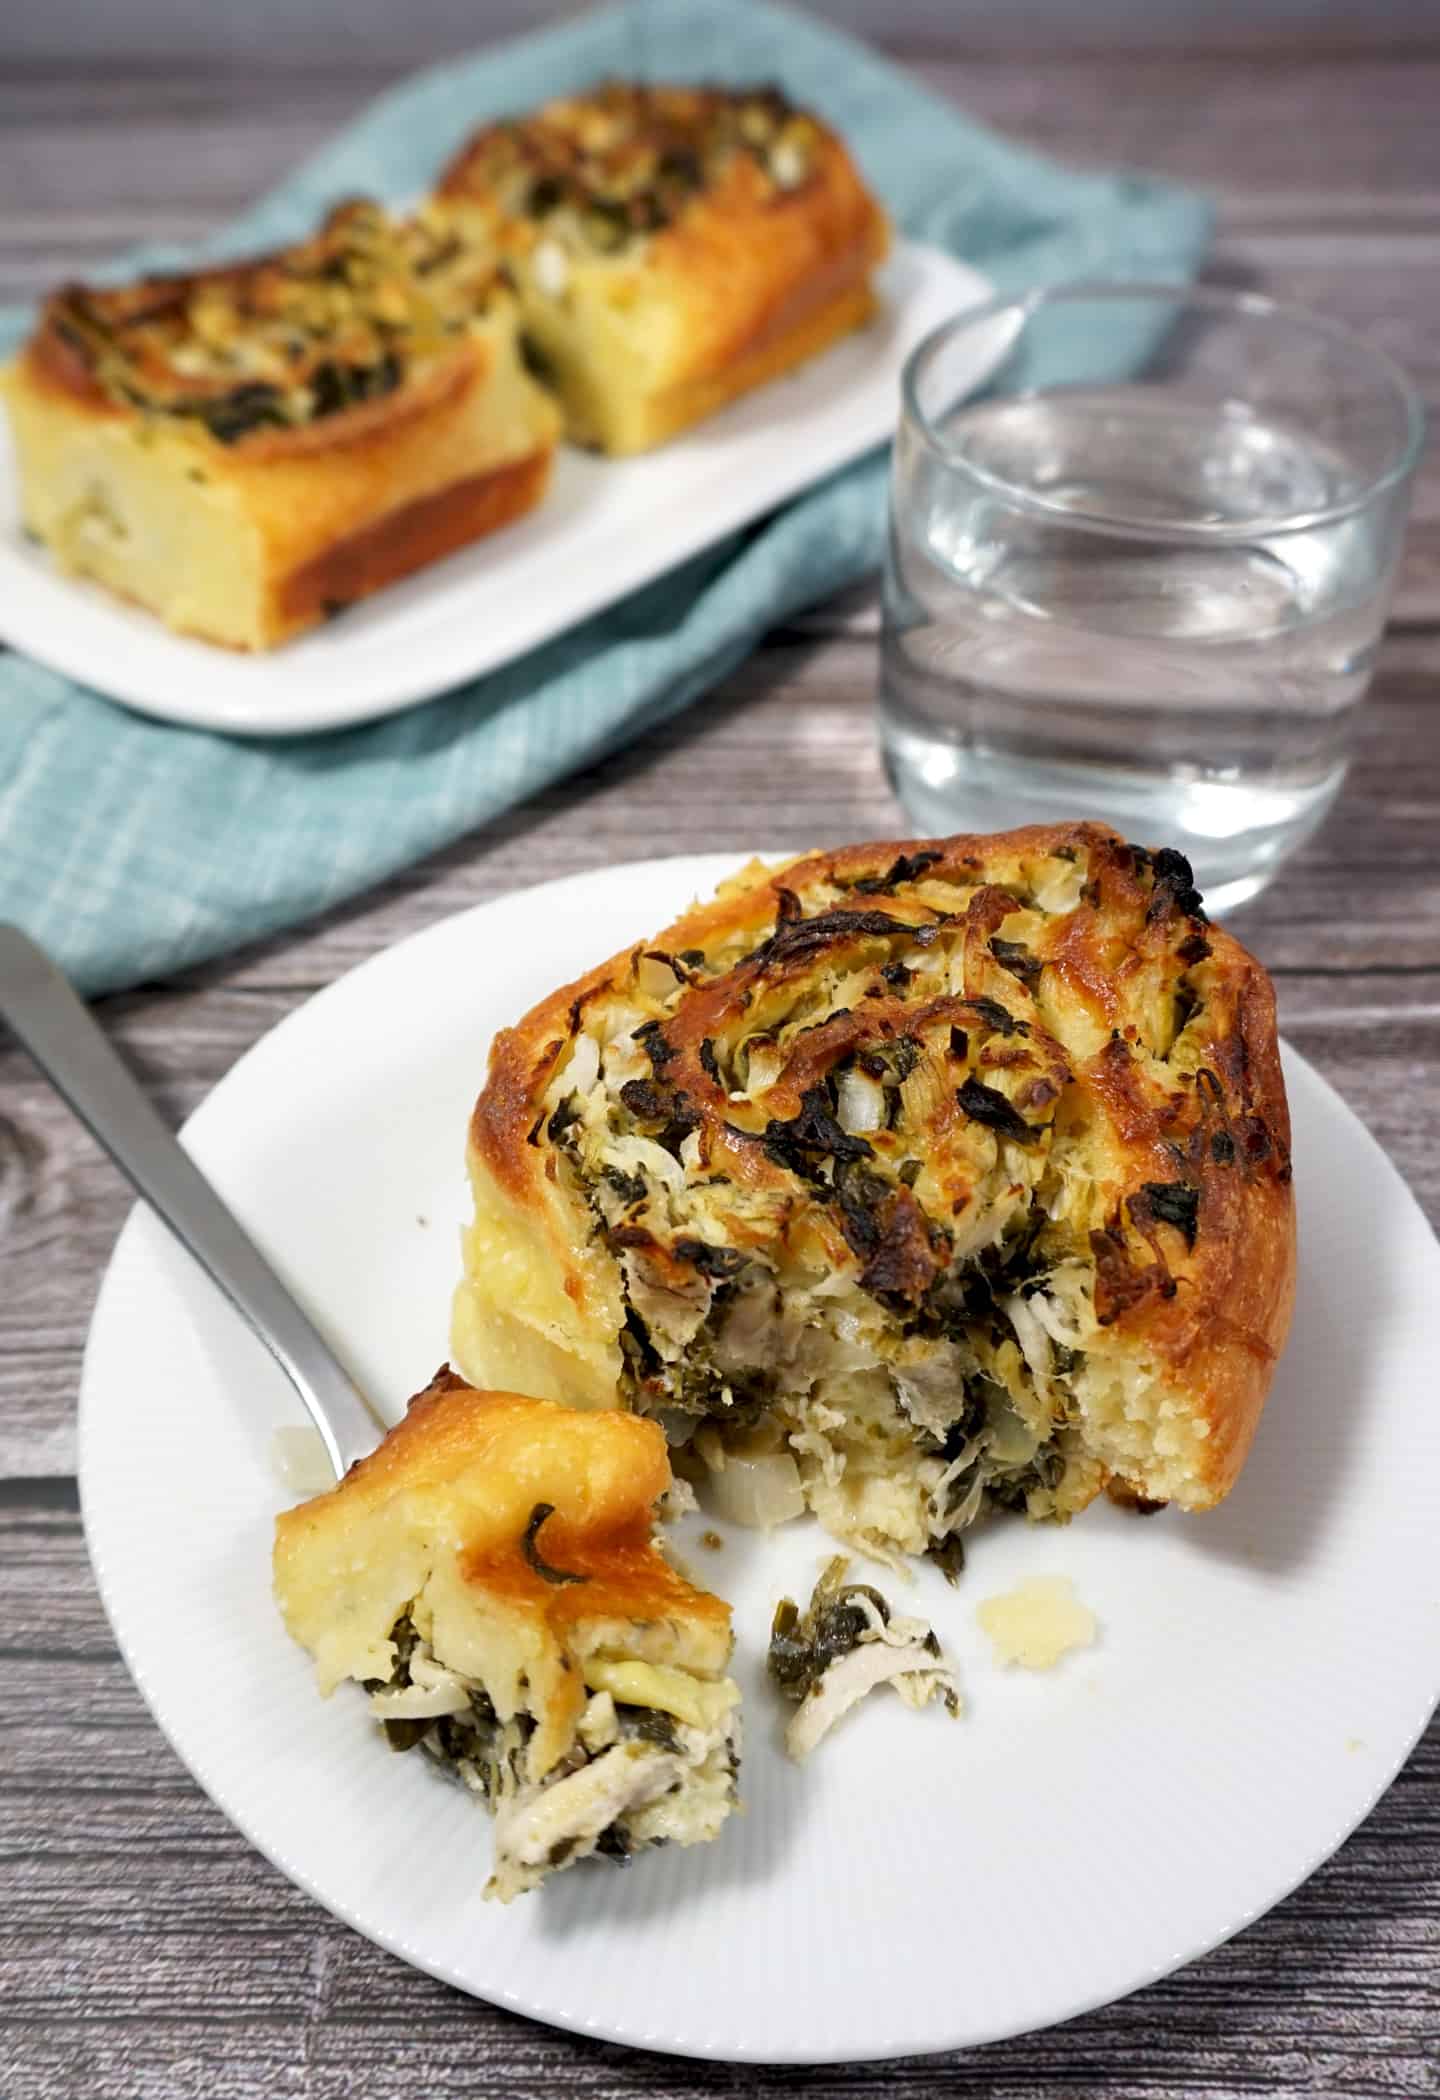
x: 1037, y: 1622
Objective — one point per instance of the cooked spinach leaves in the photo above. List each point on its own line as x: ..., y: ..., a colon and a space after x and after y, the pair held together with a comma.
x: 528, y: 1546
x: 1174, y: 1203
x: 987, y: 1105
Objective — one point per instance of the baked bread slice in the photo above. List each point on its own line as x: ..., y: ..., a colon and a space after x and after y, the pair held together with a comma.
x: 490, y: 1575
x: 673, y: 247
x: 246, y: 451
x: 956, y: 1170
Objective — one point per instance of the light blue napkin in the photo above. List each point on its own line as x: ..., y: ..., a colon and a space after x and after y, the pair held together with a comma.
x: 130, y: 849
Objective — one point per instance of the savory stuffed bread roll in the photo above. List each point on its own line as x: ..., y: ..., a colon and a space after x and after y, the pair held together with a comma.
x: 949, y: 1176
x: 490, y: 1576
x: 673, y: 247
x: 247, y: 450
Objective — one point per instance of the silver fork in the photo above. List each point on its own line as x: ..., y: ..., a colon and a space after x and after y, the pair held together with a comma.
x: 70, y: 1049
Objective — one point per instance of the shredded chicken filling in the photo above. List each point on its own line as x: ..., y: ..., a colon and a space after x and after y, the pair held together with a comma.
x: 634, y: 1777
x: 845, y: 1645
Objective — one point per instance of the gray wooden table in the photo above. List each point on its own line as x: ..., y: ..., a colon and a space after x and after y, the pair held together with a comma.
x: 145, y: 1950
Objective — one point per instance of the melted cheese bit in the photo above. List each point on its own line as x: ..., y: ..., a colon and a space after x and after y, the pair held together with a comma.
x: 1038, y: 1622
x: 700, y: 1703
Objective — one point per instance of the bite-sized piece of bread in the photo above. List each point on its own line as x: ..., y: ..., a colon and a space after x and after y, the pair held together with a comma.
x: 490, y: 1575
x: 673, y: 246
x: 961, y: 1163
x: 248, y: 450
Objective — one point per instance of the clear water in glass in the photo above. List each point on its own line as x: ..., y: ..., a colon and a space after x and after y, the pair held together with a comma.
x: 1098, y: 655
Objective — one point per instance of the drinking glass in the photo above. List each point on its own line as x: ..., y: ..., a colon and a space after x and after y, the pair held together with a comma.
x: 1152, y: 598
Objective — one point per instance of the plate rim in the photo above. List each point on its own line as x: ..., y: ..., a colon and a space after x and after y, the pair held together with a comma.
x: 1379, y: 1777
x: 248, y: 703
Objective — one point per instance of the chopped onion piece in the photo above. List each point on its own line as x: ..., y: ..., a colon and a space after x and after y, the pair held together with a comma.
x: 584, y: 1067
x: 765, y: 1063
x: 1052, y: 1318
x: 759, y: 1492
x: 861, y: 1104
x: 655, y: 979
x: 550, y: 267
x: 924, y: 1092
x: 1033, y: 1337
x: 632, y: 1154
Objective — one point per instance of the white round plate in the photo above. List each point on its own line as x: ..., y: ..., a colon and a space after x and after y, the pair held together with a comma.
x: 924, y: 1883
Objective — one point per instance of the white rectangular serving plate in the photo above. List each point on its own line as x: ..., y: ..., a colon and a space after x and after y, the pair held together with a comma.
x: 606, y: 528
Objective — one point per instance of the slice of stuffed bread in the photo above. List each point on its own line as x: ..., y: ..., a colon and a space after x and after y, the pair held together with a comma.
x: 249, y: 449
x: 673, y: 246
x: 490, y: 1575
x: 953, y: 1173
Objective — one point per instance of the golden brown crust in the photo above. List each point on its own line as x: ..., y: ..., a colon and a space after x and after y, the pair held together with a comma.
x: 755, y: 269
x: 54, y: 362
x: 408, y: 539
x: 1147, y: 1051
x: 666, y: 415
x: 53, y: 368
x: 669, y: 172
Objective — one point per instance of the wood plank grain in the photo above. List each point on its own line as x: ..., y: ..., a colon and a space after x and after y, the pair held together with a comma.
x: 149, y: 1954
x: 158, y: 32
x: 146, y: 1952
x: 1288, y: 121
x: 1293, y: 122
x: 783, y: 754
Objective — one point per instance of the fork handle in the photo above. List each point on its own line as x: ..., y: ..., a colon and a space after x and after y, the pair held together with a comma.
x: 70, y: 1049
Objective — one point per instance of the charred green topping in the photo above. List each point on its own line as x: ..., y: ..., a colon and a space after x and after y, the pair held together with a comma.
x: 335, y: 321
x: 805, y: 1142
x: 473, y: 1743
x: 531, y: 1550
x: 1174, y: 887
x: 625, y: 161
x: 1017, y: 959
x: 1174, y: 1203
x: 987, y: 1105
x: 906, y: 867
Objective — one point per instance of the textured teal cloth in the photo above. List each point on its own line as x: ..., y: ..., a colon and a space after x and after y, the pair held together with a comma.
x: 130, y: 849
